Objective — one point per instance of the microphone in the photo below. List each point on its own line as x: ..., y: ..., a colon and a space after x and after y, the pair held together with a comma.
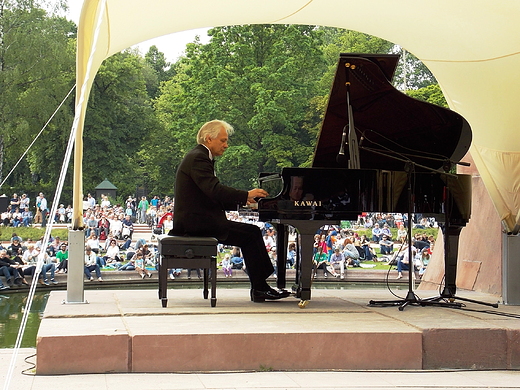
x: 341, y: 158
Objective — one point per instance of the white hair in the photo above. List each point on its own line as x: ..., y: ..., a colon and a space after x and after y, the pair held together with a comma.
x: 212, y: 129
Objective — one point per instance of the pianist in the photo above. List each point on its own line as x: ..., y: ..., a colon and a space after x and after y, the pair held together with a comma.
x: 201, y: 201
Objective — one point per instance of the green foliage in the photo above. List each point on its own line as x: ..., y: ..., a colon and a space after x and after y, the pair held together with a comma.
x: 259, y: 78
x: 429, y: 232
x: 118, y: 123
x: 29, y: 232
x: 411, y: 73
x: 156, y: 70
x: 36, y: 72
x: 431, y: 94
x: 271, y: 82
x: 337, y: 40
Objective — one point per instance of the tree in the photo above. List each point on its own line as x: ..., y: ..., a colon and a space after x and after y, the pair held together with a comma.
x: 411, y: 72
x: 431, y: 94
x: 156, y: 71
x: 335, y: 42
x: 36, y: 72
x: 117, y: 125
x: 259, y: 78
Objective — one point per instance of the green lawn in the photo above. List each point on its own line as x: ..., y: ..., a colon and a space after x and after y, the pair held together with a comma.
x: 372, y: 265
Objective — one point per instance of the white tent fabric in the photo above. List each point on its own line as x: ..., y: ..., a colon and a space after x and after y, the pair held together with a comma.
x: 471, y: 46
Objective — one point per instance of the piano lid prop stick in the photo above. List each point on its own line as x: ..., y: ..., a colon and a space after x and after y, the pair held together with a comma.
x: 340, y: 158
x: 353, y: 148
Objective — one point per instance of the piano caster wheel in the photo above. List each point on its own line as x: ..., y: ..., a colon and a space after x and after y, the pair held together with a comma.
x: 303, y: 304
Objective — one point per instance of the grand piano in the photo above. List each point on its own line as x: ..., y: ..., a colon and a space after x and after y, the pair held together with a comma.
x: 378, y: 151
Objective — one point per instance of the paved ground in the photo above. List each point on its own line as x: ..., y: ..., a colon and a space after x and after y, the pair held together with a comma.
x: 24, y: 378
x: 403, y: 380
x: 257, y: 380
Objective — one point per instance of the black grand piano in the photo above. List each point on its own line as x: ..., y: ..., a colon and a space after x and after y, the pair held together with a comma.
x: 378, y: 151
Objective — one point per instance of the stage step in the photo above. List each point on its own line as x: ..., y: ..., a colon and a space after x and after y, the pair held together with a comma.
x: 129, y: 331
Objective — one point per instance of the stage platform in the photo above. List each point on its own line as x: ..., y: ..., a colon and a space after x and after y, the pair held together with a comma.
x: 128, y: 331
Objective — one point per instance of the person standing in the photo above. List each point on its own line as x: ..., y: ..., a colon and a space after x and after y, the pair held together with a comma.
x: 41, y: 204
x: 130, y: 207
x: 201, y: 202
x: 91, y: 201
x: 24, y: 202
x: 143, y: 208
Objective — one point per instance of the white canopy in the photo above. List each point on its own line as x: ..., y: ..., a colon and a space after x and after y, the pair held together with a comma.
x: 471, y: 46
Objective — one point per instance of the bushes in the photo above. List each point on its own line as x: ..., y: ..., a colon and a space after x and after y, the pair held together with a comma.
x: 30, y: 232
x: 430, y: 231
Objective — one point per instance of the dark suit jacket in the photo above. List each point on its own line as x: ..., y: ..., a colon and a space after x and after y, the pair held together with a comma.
x: 201, y: 200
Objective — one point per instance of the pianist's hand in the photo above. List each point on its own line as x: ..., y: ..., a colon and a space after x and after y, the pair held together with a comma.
x: 255, y: 194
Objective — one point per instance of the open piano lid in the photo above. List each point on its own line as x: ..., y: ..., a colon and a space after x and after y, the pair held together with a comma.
x: 390, y: 126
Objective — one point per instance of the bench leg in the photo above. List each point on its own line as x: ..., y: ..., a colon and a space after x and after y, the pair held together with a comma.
x: 205, y: 290
x: 163, y: 285
x: 210, y: 270
x: 213, y: 282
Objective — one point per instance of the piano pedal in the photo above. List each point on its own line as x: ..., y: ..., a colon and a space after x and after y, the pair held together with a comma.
x: 303, y: 304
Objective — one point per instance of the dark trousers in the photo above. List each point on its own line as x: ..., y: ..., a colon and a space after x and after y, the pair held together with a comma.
x: 90, y: 268
x: 249, y: 238
x: 44, y: 218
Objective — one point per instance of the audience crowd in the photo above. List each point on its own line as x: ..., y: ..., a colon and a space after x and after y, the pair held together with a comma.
x: 109, y: 241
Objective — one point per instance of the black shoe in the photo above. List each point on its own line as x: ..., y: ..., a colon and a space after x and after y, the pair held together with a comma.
x: 261, y: 296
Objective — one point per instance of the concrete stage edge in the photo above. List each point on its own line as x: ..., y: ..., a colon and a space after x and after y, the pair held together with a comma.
x: 124, y: 331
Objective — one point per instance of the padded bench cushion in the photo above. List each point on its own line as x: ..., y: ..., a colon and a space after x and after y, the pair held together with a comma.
x: 185, y: 246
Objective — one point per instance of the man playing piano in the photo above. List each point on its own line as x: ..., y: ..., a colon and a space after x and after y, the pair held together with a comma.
x: 201, y: 202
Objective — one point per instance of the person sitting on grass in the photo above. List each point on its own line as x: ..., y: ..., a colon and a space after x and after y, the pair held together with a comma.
x: 62, y: 257
x: 338, y: 258
x: 386, y: 246
x: 91, y: 264
x: 320, y: 260
x: 30, y: 259
x: 351, y: 253
x: 403, y: 260
x: 140, y: 265
x: 111, y: 257
x: 226, y: 266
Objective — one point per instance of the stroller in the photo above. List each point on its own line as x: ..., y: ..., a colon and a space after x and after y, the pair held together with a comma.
x: 159, y: 228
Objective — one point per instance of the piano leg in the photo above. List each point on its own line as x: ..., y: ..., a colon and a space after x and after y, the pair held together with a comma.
x: 282, y: 236
x: 448, y: 294
x: 305, y: 276
x: 452, y: 235
x: 306, y: 229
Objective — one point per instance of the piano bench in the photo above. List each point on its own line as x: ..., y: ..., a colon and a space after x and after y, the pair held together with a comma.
x: 188, y: 252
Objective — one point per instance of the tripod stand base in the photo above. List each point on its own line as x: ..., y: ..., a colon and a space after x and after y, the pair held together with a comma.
x: 447, y: 297
x: 412, y: 299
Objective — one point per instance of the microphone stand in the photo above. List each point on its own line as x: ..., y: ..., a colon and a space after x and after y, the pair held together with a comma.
x: 411, y: 298
x: 354, y: 163
x: 447, y: 297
